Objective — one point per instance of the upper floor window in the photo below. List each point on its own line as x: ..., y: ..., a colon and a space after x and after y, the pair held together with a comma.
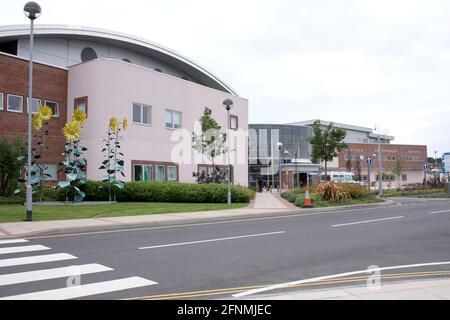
x: 142, y: 113
x: 1, y: 101
x: 88, y: 54
x: 234, y: 122
x: 54, y: 106
x: 15, y: 103
x: 413, y: 158
x: 35, y: 104
x: 81, y: 103
x: 173, y: 119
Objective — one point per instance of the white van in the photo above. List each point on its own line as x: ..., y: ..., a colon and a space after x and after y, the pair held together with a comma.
x: 342, y: 177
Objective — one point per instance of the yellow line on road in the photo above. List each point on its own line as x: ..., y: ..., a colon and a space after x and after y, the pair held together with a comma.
x: 194, y: 294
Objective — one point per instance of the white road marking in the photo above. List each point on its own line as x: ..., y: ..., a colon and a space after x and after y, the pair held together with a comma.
x: 211, y: 240
x: 13, y: 241
x: 367, y: 221
x: 23, y: 277
x: 444, y: 211
x: 340, y: 275
x: 23, y: 249
x: 36, y: 259
x: 84, y: 290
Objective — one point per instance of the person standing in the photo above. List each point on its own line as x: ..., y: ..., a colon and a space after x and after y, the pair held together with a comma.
x: 260, y: 184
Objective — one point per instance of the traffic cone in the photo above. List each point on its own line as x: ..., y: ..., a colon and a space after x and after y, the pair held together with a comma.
x: 307, y: 202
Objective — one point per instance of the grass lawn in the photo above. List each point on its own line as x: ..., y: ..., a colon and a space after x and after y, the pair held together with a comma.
x: 11, y: 213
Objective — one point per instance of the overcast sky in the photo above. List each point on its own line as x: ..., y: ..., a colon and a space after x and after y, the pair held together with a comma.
x: 356, y: 62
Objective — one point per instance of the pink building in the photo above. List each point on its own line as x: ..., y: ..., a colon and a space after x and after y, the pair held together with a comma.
x: 161, y: 93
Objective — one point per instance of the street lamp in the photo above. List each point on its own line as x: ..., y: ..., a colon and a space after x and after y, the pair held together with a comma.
x: 280, y: 148
x: 228, y: 103
x: 380, y: 164
x: 32, y: 10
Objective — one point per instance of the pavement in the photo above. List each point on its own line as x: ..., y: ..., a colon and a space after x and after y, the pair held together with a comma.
x: 434, y: 289
x: 224, y: 258
x: 265, y: 204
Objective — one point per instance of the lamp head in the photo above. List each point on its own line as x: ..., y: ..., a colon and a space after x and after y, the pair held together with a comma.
x: 228, y: 103
x: 32, y: 10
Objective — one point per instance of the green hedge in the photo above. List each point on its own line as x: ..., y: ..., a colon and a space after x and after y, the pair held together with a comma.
x: 164, y: 192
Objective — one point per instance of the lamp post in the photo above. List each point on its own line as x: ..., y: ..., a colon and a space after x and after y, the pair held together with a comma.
x: 380, y: 164
x: 280, y: 148
x: 228, y: 103
x: 32, y: 10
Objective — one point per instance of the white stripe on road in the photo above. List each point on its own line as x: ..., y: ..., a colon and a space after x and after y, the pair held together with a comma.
x: 23, y: 277
x: 212, y: 240
x: 23, y: 249
x: 13, y: 241
x: 367, y: 221
x: 444, y: 211
x: 340, y: 275
x: 85, y: 290
x: 36, y: 259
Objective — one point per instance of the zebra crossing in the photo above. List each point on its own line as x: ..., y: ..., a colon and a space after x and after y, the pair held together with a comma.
x: 72, y: 272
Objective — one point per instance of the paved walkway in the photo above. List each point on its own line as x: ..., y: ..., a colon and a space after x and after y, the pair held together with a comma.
x: 436, y: 289
x: 264, y: 204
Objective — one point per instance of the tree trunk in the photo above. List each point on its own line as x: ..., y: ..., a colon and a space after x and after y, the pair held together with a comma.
x: 326, y: 171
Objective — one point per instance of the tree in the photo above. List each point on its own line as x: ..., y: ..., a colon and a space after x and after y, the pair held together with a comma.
x: 211, y: 141
x: 326, y: 142
x: 398, y: 171
x: 10, y: 166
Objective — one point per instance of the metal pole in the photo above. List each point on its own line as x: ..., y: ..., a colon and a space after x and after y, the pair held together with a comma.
x: 380, y: 167
x: 29, y: 189
x: 279, y: 171
x: 229, y: 164
x: 368, y: 174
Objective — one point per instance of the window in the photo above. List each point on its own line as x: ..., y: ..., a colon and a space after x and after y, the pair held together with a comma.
x: 142, y: 172
x: 52, y: 171
x: 148, y: 173
x: 173, y: 119
x: 404, y: 177
x: 35, y: 105
x: 172, y: 173
x: 142, y: 114
x: 54, y: 106
x: 88, y: 54
x: 15, y: 103
x: 233, y: 122
x: 160, y: 173
x: 138, y: 176
x: 81, y: 103
x: 413, y: 158
x: 1, y: 101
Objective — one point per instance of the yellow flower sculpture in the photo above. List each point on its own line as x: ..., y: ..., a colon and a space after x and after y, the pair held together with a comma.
x: 125, y: 123
x: 72, y: 130
x: 45, y: 112
x: 79, y: 116
x: 37, y: 122
x: 114, y: 124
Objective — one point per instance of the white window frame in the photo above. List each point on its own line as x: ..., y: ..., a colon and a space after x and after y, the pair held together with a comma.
x: 141, y: 106
x: 28, y: 107
x: 21, y: 105
x: 1, y: 101
x: 57, y: 107
x: 171, y: 111
x: 237, y: 122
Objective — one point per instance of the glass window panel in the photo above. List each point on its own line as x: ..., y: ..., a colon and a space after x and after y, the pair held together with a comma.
x: 1, y: 101
x: 54, y: 106
x: 35, y: 104
x: 146, y: 115
x: 81, y: 105
x: 15, y: 103
x: 138, y: 173
x: 168, y: 119
x: 172, y: 173
x: 160, y: 173
x: 52, y: 170
x: 148, y: 173
x: 177, y: 120
x: 137, y: 113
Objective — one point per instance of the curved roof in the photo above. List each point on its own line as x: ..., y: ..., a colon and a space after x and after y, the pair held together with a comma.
x: 139, y: 45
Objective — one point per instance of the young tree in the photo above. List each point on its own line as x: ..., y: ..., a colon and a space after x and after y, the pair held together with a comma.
x: 326, y: 142
x: 211, y: 141
x: 398, y: 171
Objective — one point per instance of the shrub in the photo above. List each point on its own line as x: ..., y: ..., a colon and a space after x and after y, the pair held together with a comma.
x: 10, y: 166
x: 16, y: 199
x: 355, y: 191
x: 329, y: 190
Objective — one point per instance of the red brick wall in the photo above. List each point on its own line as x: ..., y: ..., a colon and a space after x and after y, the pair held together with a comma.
x: 399, y: 151
x: 49, y: 83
